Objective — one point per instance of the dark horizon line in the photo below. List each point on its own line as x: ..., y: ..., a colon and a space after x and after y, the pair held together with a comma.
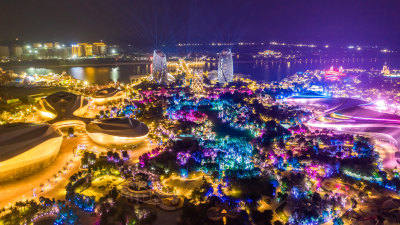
x: 144, y: 44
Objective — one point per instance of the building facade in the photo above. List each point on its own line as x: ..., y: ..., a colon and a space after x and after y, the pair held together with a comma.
x: 55, y: 50
x: 16, y: 51
x: 159, y: 67
x: 82, y: 50
x: 4, y: 52
x: 99, y: 48
x: 225, y: 66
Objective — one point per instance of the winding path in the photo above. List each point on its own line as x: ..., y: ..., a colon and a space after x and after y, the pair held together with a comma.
x: 359, y: 117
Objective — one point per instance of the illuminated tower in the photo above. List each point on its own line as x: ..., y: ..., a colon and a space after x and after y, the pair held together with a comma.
x: 76, y: 51
x: 99, y: 48
x: 159, y: 67
x: 385, y: 70
x: 196, y: 85
x: 82, y: 50
x: 225, y: 66
x: 88, y: 49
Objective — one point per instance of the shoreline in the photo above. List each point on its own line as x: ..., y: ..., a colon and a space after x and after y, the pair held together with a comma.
x: 38, y: 65
x: 99, y: 64
x: 52, y: 63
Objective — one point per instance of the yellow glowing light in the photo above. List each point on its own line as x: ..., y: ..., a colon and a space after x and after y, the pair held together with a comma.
x: 70, y: 123
x: 102, y: 101
x: 338, y: 116
x: 47, y: 114
x: 106, y: 139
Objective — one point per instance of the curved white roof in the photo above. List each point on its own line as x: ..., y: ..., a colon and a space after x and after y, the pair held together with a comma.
x: 18, y: 138
x: 62, y: 104
x: 108, y: 92
x: 121, y: 127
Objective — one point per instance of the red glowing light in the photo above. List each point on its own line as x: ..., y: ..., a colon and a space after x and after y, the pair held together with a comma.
x: 334, y: 75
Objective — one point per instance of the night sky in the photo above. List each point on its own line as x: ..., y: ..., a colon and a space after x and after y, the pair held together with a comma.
x: 160, y: 22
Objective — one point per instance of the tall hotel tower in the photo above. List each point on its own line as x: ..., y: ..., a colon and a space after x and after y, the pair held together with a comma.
x: 225, y: 66
x: 159, y: 67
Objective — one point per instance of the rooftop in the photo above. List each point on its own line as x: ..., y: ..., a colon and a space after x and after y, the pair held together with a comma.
x: 122, y: 127
x: 17, y: 138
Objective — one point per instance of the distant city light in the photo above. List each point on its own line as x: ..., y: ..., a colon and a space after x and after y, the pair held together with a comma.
x: 350, y: 47
x: 326, y: 46
x: 358, y: 48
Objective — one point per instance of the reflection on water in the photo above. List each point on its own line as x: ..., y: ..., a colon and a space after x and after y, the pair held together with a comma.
x: 33, y: 70
x: 114, y: 74
x: 78, y: 73
x: 91, y: 73
x: 257, y: 70
x: 94, y: 74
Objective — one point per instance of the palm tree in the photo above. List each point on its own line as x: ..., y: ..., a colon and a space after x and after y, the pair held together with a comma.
x: 2, y: 210
x: 65, y: 169
x: 41, y: 187
x: 19, y: 204
x: 326, y: 196
x: 14, y: 211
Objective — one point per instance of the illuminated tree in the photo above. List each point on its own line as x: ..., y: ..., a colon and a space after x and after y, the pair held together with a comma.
x: 338, y: 221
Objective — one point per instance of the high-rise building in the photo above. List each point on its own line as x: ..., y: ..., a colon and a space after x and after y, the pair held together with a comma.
x: 82, y: 50
x: 16, y: 51
x: 41, y: 53
x: 99, y: 48
x: 37, y: 45
x: 76, y: 51
x: 61, y: 53
x: 225, y: 66
x: 48, y: 45
x: 159, y: 67
x: 4, y: 52
x: 88, y: 50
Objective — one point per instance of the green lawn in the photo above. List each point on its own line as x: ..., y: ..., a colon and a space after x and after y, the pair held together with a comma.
x: 101, y: 186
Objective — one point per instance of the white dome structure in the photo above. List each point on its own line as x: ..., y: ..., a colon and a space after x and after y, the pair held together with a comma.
x: 26, y: 148
x: 105, y: 95
x: 117, y: 131
x: 62, y: 106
